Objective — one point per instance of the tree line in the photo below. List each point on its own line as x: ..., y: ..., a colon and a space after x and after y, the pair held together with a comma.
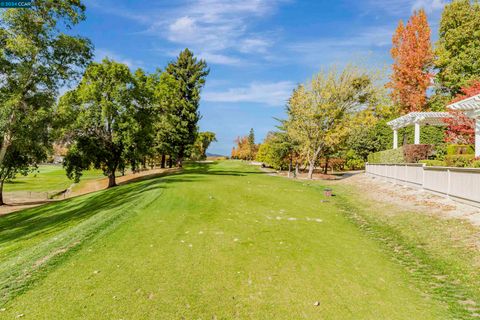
x: 112, y: 119
x: 340, y: 115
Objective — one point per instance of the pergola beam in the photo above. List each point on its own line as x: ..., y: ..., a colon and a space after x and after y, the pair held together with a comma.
x: 417, y: 133
x: 477, y: 138
x: 395, y: 139
x: 417, y: 119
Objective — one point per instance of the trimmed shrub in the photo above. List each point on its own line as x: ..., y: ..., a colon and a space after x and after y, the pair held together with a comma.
x: 476, y: 164
x: 434, y: 163
x: 457, y: 149
x: 461, y: 161
x: 440, y: 151
x: 416, y: 152
x: 387, y: 156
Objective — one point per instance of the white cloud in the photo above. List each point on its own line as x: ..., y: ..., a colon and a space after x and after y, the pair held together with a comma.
x: 255, y: 45
x: 216, y: 28
x: 403, y: 7
x: 216, y: 58
x: 269, y: 93
x: 216, y: 25
x: 101, y: 54
x: 358, y: 47
x: 429, y: 5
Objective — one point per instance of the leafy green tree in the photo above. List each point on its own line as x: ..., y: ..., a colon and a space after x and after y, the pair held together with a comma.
x: 319, y: 112
x: 199, y: 149
x: 29, y: 148
x: 190, y: 74
x: 367, y: 139
x: 142, y: 134
x: 168, y: 120
x: 276, y: 151
x: 37, y: 57
x: 102, y: 108
x: 458, y: 46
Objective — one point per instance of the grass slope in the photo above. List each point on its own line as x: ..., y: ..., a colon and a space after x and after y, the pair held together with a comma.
x: 48, y: 178
x: 219, y: 241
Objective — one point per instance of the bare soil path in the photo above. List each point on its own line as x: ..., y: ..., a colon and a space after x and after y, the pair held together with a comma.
x: 409, y: 198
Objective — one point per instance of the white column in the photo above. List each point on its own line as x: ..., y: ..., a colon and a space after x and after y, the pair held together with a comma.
x: 477, y: 137
x: 395, y: 139
x: 417, y: 133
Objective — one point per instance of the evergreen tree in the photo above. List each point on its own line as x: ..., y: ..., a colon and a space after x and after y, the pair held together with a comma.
x: 251, y: 144
x: 190, y: 74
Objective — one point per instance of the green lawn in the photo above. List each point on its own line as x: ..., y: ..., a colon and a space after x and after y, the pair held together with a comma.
x: 221, y: 241
x: 47, y: 178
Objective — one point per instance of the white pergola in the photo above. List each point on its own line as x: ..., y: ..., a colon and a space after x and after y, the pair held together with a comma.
x: 471, y: 108
x: 417, y: 119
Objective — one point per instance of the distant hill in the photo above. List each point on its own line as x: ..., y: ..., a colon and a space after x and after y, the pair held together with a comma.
x: 214, y: 155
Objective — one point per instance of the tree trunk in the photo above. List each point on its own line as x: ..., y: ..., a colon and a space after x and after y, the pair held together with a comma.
x: 170, y: 162
x: 325, y: 170
x: 295, y: 175
x: 7, y: 138
x: 290, y: 167
x: 311, y: 168
x: 1, y: 193
x: 180, y: 158
x: 164, y: 160
x: 111, y: 180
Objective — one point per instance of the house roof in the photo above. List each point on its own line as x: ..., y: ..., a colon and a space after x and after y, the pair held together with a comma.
x: 423, y: 118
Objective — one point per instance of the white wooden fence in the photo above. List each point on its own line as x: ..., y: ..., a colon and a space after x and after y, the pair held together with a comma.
x: 462, y: 184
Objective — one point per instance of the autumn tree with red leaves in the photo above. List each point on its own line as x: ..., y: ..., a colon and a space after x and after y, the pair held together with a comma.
x: 413, y: 59
x: 460, y: 128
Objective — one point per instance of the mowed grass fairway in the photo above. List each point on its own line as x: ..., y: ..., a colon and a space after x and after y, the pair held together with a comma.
x: 47, y: 178
x: 219, y: 241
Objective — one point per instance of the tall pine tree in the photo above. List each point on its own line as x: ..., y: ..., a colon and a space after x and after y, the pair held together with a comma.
x: 190, y: 74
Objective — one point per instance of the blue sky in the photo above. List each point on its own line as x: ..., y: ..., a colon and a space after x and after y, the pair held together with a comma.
x: 257, y: 50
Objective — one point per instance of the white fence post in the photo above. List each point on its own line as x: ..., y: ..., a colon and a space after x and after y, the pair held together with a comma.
x: 449, y: 182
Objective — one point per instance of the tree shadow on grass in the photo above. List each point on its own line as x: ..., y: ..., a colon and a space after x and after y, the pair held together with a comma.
x: 211, y: 169
x: 57, y: 216
x: 52, y: 217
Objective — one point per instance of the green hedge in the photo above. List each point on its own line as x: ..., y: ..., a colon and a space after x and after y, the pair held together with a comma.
x: 457, y: 149
x: 434, y: 163
x: 461, y: 160
x: 387, y: 156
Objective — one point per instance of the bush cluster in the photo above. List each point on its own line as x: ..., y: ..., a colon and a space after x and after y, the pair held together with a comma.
x: 387, y: 156
x: 406, y: 154
x: 416, y: 152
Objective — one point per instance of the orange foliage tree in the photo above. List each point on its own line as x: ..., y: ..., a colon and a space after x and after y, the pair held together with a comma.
x: 413, y: 59
x: 460, y: 128
x: 244, y: 149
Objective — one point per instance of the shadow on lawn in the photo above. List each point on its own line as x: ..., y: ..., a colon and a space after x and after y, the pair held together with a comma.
x: 206, y: 169
x: 59, y: 215
x: 56, y: 216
